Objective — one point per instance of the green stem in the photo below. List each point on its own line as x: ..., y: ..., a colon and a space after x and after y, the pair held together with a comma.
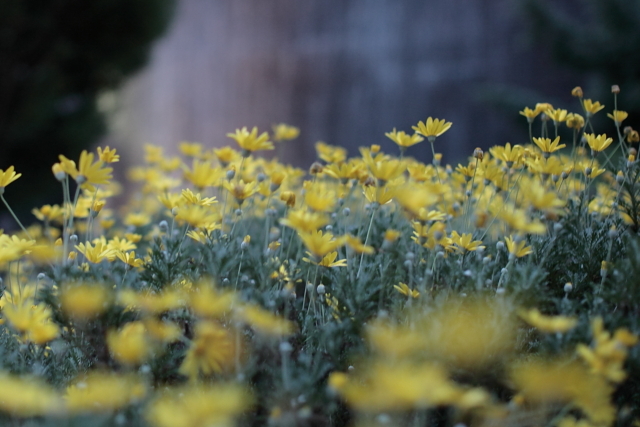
x: 366, y: 240
x: 15, y: 216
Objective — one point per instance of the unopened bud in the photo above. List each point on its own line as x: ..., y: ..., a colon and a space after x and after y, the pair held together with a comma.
x: 58, y: 173
x: 285, y: 347
x: 568, y: 287
x: 577, y: 91
x: 316, y: 168
x: 478, y: 153
x: 320, y: 289
x: 615, y: 89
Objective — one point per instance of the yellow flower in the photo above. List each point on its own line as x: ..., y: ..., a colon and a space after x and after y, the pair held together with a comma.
x: 108, y: 155
x: 517, y: 219
x: 197, y: 216
x: 162, y: 331
x: 250, y: 141
x: 379, y: 195
x: 90, y: 173
x: 207, y: 301
x: 464, y: 242
x: 356, y: 244
x: 383, y: 167
x: 598, y: 143
x: 548, y: 146
x: 226, y: 155
x: 7, y: 177
x: 42, y: 328
x: 241, y: 190
x: 152, y: 303
x: 15, y: 244
x: 49, y: 213
x: 508, y: 154
x: 305, y: 221
x: 565, y: 382
x: 618, y: 116
x: 461, y: 333
x: 212, y: 350
x: 84, y: 301
x: 130, y: 259
x: 517, y: 248
x: 289, y: 198
x: 129, y: 344
x: 189, y: 196
x: 190, y: 149
x: 27, y: 397
x: 432, y: 128
x: 529, y: 113
x: 391, y: 235
x: 543, y: 107
x: 330, y: 153
x: 402, y: 139
x: 202, y: 174
x: 577, y: 91
x: 329, y: 260
x: 283, y: 132
x: 557, y: 115
x: 119, y: 245
x: 539, y: 196
x: 198, y: 405
x: 264, y: 321
x: 320, y: 244
x: 139, y: 219
x: 575, y: 121
x: 319, y: 198
x: 592, y: 107
x: 382, y: 387
x: 607, y: 354
x: 96, y: 253
x: 404, y: 289
x: 99, y: 392
x: 548, y: 324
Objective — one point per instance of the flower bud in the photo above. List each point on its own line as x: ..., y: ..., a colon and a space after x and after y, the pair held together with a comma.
x: 316, y: 168
x: 59, y: 174
x: 231, y: 173
x: 285, y: 347
x: 577, y: 91
x: 568, y: 287
x: 615, y: 89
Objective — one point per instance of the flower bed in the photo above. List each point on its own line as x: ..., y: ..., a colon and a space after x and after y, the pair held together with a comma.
x: 368, y: 290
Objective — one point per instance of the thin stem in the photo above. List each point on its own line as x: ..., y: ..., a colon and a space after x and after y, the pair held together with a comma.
x: 366, y: 240
x: 15, y: 216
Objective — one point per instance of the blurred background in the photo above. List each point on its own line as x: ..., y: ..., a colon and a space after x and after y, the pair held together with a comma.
x: 125, y: 73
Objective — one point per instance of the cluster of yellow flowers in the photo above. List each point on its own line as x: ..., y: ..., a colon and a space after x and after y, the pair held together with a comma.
x: 300, y: 227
